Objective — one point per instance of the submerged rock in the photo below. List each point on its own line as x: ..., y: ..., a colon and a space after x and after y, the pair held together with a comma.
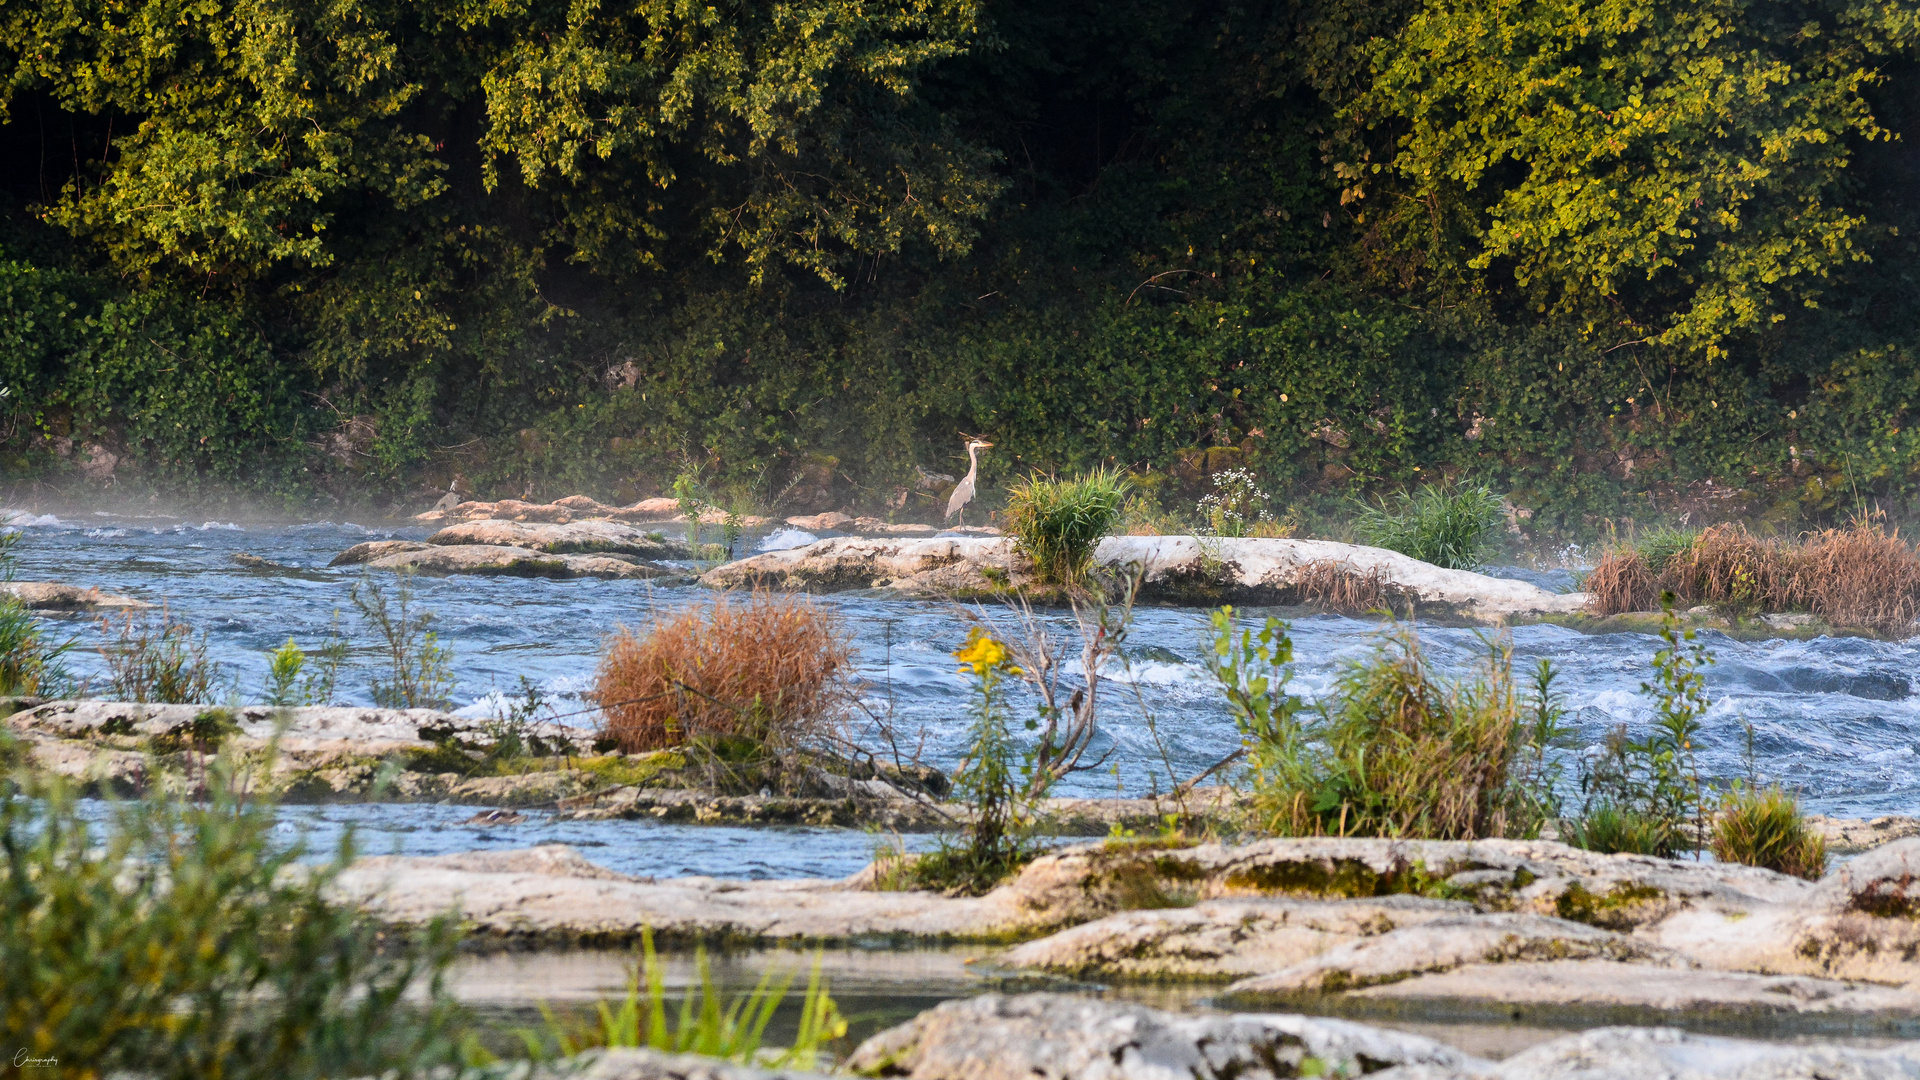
x: 579, y: 537
x: 53, y: 596
x: 1180, y: 569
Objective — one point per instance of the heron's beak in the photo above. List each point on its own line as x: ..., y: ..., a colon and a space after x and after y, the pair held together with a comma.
x: 985, y: 445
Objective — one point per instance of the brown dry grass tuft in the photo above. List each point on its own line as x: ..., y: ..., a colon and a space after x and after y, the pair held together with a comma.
x: 763, y: 668
x: 1730, y: 567
x: 1862, y: 576
x: 1859, y: 576
x: 1336, y: 586
x: 1622, y: 581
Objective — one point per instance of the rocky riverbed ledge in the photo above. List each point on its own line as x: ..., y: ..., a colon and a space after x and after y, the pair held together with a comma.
x: 1176, y: 569
x: 1494, y: 930
x: 339, y: 754
x: 1061, y: 1037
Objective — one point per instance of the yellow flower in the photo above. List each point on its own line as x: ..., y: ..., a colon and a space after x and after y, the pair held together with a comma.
x: 980, y: 653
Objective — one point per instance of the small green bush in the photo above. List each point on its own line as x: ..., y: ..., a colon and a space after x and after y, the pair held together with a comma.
x: 178, y: 940
x: 1641, y: 793
x: 1057, y: 523
x: 1764, y: 827
x: 1440, y: 524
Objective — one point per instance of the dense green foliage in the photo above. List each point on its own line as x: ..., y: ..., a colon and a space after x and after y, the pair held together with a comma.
x: 175, y: 940
x: 1595, y: 256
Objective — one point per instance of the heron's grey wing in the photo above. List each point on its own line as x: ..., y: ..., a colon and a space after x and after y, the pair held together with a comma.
x: 962, y: 495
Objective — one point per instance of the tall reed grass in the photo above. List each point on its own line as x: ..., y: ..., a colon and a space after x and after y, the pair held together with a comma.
x: 760, y: 671
x: 1058, y: 523
x: 1861, y: 576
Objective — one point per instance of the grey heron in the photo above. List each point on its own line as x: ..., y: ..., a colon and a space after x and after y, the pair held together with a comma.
x: 963, y: 492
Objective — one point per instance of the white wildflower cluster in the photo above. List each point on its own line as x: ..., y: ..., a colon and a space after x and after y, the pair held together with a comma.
x: 1235, y: 504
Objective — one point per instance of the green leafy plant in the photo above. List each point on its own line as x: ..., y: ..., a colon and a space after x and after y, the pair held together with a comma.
x: 177, y: 940
x: 1446, y: 525
x: 732, y: 1032
x: 1646, y: 791
x: 1765, y: 827
x: 997, y: 839
x: 159, y: 661
x: 422, y: 672
x: 1393, y: 750
x: 1057, y: 523
x: 29, y: 665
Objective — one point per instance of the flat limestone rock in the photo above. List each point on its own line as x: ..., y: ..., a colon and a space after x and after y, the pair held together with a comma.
x: 1847, y: 836
x: 830, y: 522
x: 535, y: 906
x: 1188, y: 569
x: 53, y: 596
x: 1565, y: 986
x: 575, y: 508
x: 1447, y: 943
x: 578, y: 537
x: 629, y: 1063
x: 369, y: 550
x: 1219, y: 939
x: 1621, y: 1053
x: 487, y: 559
x: 998, y: 1037
x: 553, y: 860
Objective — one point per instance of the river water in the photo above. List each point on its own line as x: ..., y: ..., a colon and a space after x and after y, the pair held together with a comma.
x: 1833, y: 717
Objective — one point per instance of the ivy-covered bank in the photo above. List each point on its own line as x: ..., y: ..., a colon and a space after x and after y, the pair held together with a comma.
x: 1641, y: 259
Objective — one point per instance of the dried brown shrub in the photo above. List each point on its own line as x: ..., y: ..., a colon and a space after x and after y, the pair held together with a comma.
x: 1337, y: 586
x: 1622, y: 581
x: 765, y: 668
x: 1730, y: 567
x: 1860, y: 576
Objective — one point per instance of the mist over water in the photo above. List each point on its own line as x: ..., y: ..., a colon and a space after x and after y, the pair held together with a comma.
x: 1835, y: 718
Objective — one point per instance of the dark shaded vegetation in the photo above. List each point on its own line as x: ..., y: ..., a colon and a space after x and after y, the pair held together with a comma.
x: 544, y: 250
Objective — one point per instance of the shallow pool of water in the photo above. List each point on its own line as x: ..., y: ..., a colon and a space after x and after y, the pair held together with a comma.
x: 1834, y: 717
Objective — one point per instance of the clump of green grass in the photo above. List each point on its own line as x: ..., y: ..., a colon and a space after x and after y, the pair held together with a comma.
x: 1057, y: 523
x: 1764, y: 827
x: 1661, y: 545
x: 159, y: 661
x: 734, y: 1032
x: 176, y: 940
x: 1446, y: 525
x: 1395, y: 750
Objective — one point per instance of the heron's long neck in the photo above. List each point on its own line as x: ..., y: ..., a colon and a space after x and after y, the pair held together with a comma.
x: 973, y: 462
